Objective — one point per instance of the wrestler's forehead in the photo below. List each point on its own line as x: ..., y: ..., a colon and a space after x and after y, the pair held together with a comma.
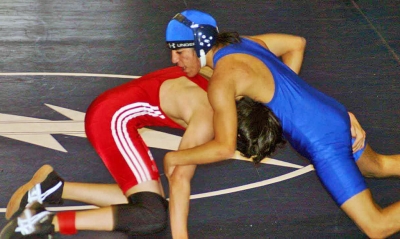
x: 184, y: 50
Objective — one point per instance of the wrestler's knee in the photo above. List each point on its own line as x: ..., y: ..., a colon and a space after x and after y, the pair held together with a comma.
x: 369, y: 217
x: 375, y: 229
x: 146, y: 213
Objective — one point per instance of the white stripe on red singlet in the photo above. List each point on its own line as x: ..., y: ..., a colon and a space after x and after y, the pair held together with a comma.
x: 121, y: 136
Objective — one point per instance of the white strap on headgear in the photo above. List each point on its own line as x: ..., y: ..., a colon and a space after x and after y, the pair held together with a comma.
x: 202, y: 58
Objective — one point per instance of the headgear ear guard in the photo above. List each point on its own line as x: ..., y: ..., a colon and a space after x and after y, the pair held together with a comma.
x: 200, y: 36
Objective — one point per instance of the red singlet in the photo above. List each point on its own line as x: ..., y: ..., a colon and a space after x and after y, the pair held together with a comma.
x: 113, y: 119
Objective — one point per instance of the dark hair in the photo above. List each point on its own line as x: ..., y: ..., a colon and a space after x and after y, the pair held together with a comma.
x: 227, y: 38
x: 259, y: 130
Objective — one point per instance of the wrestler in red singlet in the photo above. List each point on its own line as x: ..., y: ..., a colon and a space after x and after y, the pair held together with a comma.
x: 113, y: 119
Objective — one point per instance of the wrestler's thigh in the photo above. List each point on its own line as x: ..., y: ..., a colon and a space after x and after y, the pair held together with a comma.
x: 340, y: 175
x: 154, y: 186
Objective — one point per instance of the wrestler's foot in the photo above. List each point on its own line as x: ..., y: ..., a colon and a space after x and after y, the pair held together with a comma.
x: 33, y: 222
x: 44, y: 187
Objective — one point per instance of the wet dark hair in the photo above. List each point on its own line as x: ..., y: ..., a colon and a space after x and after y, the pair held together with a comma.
x: 227, y: 38
x: 259, y: 130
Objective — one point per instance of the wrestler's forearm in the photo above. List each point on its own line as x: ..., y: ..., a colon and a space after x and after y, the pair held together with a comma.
x: 179, y: 195
x: 179, y: 192
x: 210, y: 152
x: 294, y: 60
x: 289, y: 47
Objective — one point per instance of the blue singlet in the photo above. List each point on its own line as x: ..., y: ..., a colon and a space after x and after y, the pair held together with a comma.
x: 316, y: 125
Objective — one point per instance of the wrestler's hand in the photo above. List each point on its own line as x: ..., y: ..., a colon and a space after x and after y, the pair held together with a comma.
x: 357, y: 132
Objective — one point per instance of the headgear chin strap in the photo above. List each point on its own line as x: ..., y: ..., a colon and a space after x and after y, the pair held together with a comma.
x: 205, y: 36
x: 202, y: 58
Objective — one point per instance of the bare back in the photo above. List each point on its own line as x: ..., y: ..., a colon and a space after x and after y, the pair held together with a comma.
x: 181, y: 99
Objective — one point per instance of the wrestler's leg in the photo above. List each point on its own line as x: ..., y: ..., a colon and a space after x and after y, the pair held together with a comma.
x: 131, y: 164
x: 149, y: 208
x: 344, y: 181
x: 106, y: 194
x: 49, y: 188
x: 102, y: 219
x: 144, y: 210
x: 96, y: 194
x: 372, y: 164
x: 370, y: 218
x: 149, y: 215
x: 149, y: 186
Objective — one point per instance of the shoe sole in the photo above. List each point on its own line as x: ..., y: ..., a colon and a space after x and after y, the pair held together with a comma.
x: 14, y: 205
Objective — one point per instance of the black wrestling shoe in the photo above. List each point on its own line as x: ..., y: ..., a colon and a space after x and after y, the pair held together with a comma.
x: 44, y: 187
x: 33, y: 222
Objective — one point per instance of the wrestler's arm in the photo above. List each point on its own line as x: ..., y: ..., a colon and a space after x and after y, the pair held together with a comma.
x: 179, y: 197
x: 198, y: 131
x: 221, y: 94
x: 289, y: 47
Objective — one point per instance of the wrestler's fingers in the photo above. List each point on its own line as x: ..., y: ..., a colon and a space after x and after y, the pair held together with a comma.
x: 356, y: 143
x: 359, y: 143
x: 353, y: 132
x: 359, y: 136
x: 357, y: 132
x: 356, y: 147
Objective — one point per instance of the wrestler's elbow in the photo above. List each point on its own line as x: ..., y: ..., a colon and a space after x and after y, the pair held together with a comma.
x: 226, y: 151
x: 301, y: 43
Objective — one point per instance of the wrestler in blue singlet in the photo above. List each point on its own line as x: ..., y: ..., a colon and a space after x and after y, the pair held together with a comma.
x: 316, y: 125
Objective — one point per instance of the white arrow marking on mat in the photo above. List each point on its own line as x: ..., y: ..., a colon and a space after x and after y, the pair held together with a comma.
x: 39, y: 132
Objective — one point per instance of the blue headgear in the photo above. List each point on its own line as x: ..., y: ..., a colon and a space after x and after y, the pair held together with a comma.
x: 192, y: 28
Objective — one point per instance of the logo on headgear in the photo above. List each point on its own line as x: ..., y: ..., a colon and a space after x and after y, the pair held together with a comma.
x: 178, y: 45
x: 171, y: 45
